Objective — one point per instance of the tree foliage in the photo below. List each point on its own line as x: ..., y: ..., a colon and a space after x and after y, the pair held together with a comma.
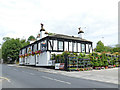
x: 0, y: 53
x: 100, y: 47
x: 11, y: 47
x: 31, y: 38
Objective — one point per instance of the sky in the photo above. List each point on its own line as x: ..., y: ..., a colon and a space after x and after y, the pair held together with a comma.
x: 97, y: 18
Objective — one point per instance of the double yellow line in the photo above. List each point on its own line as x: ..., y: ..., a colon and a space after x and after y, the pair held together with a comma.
x: 4, y: 78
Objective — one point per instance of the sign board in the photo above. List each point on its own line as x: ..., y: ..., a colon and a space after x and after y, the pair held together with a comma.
x: 59, y: 66
x: 43, y: 46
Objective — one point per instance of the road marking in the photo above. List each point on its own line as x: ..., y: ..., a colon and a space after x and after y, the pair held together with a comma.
x: 10, y: 65
x: 5, y: 79
x: 56, y: 80
x: 28, y: 73
x: 15, y: 69
x: 32, y: 74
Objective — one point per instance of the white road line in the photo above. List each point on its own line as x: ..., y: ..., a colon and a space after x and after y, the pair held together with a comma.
x: 56, y: 80
x: 28, y: 73
x: 32, y: 74
x: 15, y: 69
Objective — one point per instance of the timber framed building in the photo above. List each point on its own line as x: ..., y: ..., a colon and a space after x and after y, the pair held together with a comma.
x: 47, y: 45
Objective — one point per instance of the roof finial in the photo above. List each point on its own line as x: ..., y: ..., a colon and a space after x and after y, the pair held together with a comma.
x: 80, y: 31
x: 79, y: 28
x: 41, y: 26
x: 42, y: 29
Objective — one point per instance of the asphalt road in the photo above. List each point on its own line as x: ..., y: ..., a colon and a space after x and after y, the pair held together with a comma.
x: 27, y: 78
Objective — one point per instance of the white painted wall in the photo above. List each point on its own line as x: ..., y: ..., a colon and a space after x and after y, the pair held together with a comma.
x: 79, y: 47
x: 32, y: 60
x: 42, y: 34
x: 81, y: 35
x: 87, y: 50
x: 20, y: 61
x: 56, y: 52
x: 70, y: 46
x: 43, y: 59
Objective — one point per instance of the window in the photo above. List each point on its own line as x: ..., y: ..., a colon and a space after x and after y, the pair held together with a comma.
x: 70, y: 46
x: 50, y: 45
x: 66, y: 46
x: 60, y: 45
x: 79, y: 47
x: 35, y: 47
x: 54, y: 44
x: 90, y: 48
x: 39, y: 46
x: 83, y: 47
x: 74, y: 47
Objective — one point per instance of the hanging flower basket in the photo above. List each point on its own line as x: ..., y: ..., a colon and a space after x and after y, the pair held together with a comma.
x: 26, y: 54
x: 22, y: 56
x: 36, y: 53
x: 29, y: 54
x: 19, y: 56
x: 33, y: 53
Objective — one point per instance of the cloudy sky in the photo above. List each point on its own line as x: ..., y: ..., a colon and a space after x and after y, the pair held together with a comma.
x: 22, y: 18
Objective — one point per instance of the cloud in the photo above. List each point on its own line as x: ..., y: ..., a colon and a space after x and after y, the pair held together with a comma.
x: 22, y: 18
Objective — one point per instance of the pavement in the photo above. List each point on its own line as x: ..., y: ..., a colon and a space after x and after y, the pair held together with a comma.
x: 25, y: 77
x: 104, y: 75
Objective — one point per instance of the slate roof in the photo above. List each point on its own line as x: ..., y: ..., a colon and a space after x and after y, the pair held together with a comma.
x: 61, y: 36
x: 68, y: 37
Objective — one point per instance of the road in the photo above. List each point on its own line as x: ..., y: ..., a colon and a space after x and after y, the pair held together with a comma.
x: 28, y: 78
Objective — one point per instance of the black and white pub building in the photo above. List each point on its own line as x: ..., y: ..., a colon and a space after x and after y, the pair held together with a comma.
x: 52, y: 44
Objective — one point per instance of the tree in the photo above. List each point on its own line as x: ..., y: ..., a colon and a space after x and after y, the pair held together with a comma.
x: 100, y: 47
x: 31, y: 38
x: 6, y: 38
x: 10, y: 49
x: 0, y: 53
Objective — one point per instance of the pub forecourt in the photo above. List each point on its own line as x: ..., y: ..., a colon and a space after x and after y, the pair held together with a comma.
x: 38, y: 53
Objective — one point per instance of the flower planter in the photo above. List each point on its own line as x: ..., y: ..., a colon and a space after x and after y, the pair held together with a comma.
x: 102, y: 67
x: 85, y: 69
x: 106, y: 67
x: 113, y: 65
x: 81, y: 69
x: 109, y: 66
x: 97, y: 68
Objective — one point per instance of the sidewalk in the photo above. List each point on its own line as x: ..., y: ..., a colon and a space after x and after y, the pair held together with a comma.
x: 104, y: 75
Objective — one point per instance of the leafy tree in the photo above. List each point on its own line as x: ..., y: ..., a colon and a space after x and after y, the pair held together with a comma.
x: 6, y: 38
x: 100, y: 47
x: 107, y: 48
x: 116, y: 49
x: 96, y: 64
x: 0, y: 53
x: 51, y: 33
x: 31, y: 38
x: 10, y: 49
